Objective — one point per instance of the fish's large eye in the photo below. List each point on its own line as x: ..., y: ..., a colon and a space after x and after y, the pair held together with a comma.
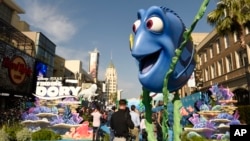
x: 136, y: 25
x: 154, y: 24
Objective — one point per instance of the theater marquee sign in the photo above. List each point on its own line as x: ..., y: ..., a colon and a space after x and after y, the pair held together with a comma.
x: 16, y: 70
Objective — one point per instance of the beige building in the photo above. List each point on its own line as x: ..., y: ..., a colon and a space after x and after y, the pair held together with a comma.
x: 74, y: 70
x: 59, y: 69
x: 9, y: 11
x: 197, y: 38
x: 11, y: 27
x: 111, y: 83
x: 223, y: 61
x: 45, y: 50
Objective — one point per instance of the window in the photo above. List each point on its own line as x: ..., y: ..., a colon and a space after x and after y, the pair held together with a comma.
x: 206, y: 74
x: 241, y: 59
x: 205, y: 57
x: 226, y: 41
x: 215, y: 70
x: 220, y: 69
x: 236, y: 36
x: 5, y: 12
x: 218, y: 49
x: 229, y: 64
x: 247, y: 29
x: 211, y: 51
x: 199, y: 59
x: 212, y: 71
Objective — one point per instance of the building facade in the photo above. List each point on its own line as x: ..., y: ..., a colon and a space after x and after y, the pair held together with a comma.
x: 94, y: 64
x: 187, y: 89
x: 17, y: 57
x: 111, y: 83
x: 59, y: 69
x: 74, y: 70
x: 45, y: 50
x: 222, y: 60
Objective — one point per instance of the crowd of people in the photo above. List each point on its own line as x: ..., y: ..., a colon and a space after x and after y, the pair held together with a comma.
x: 124, y: 123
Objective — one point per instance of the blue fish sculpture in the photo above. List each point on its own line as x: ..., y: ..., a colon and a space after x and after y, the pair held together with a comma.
x: 158, y: 32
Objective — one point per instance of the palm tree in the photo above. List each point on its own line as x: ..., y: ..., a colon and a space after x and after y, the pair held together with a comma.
x: 231, y: 16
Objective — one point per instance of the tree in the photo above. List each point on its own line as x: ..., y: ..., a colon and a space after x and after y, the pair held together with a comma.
x: 231, y: 16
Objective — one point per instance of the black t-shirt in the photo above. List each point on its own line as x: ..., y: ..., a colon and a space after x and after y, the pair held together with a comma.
x: 121, y: 122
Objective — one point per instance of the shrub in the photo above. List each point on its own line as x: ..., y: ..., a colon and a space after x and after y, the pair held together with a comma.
x: 11, y: 130
x: 45, y: 134
x: 195, y: 138
x: 3, y: 135
x: 106, y: 137
x: 23, y: 135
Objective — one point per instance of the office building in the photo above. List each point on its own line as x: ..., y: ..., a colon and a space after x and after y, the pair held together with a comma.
x: 111, y: 83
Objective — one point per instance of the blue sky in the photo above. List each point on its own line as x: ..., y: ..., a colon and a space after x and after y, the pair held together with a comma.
x: 79, y: 26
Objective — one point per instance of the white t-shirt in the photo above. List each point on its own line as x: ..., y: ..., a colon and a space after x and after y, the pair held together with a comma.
x: 96, y: 119
x: 143, y: 124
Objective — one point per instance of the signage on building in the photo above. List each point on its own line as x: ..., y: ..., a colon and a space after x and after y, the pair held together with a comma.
x: 52, y: 88
x: 93, y: 64
x: 16, y: 70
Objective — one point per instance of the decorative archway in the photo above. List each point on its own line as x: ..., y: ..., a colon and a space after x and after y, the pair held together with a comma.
x: 242, y: 95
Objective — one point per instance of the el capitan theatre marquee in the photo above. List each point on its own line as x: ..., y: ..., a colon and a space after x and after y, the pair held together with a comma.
x: 16, y: 71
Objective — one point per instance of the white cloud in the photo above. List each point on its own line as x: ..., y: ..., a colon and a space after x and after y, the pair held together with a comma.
x: 50, y: 20
x: 74, y: 54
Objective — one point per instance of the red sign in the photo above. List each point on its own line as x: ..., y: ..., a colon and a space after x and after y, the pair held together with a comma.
x: 17, y: 68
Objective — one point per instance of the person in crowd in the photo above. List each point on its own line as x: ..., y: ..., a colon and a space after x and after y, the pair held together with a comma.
x: 136, y: 120
x: 110, y: 113
x: 121, y: 122
x: 96, y: 123
x: 104, y: 116
x: 143, y: 128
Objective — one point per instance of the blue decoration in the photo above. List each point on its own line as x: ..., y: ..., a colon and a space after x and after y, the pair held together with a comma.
x: 158, y: 33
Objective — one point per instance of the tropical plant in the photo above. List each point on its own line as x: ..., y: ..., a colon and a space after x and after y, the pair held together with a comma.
x: 231, y: 16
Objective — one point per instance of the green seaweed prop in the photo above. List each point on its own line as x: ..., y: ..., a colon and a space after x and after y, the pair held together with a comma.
x: 148, y: 114
x: 152, y: 82
x: 177, y: 127
x: 177, y: 117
